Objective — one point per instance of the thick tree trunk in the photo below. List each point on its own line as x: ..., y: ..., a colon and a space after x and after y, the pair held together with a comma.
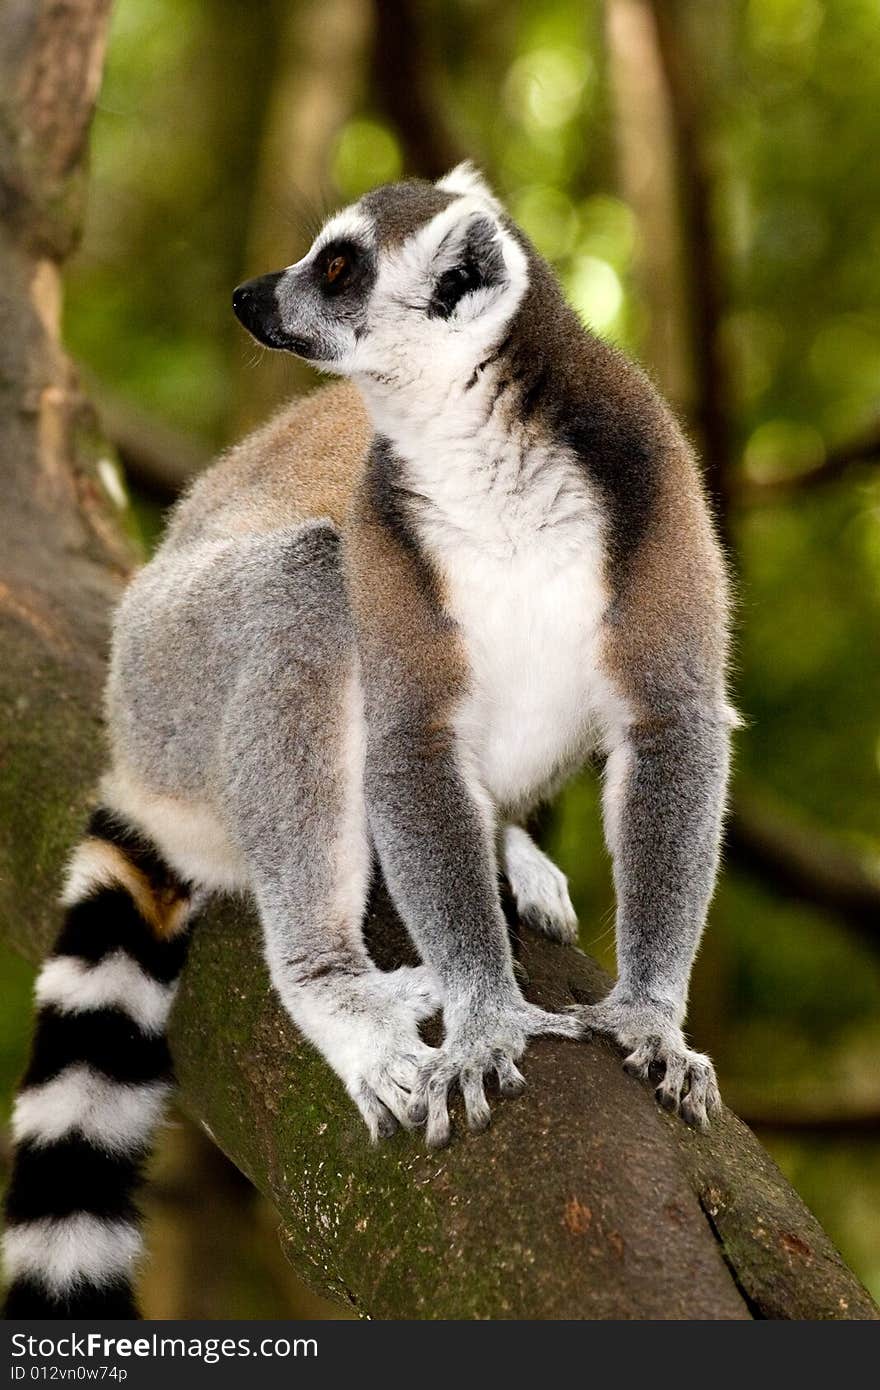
x: 583, y: 1200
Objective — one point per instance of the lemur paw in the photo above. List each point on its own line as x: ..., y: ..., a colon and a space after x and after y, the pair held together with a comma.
x: 489, y: 1047
x: 417, y: 988
x: 684, y: 1081
x: 689, y: 1085
x: 375, y: 1047
x: 382, y: 1083
x: 539, y: 888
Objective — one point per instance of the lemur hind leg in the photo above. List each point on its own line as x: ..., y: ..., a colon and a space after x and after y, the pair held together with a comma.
x: 294, y: 780
x: 539, y: 888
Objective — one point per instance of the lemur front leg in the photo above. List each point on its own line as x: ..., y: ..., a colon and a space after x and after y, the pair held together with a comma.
x: 663, y: 802
x: 432, y: 826
x: 435, y: 835
x: 539, y: 888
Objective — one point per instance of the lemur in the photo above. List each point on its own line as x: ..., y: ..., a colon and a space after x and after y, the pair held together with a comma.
x: 377, y: 634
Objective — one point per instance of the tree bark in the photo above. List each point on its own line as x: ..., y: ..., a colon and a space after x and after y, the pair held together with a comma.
x: 584, y: 1199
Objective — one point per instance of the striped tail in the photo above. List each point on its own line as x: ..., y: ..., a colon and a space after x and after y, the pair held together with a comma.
x: 97, y: 1082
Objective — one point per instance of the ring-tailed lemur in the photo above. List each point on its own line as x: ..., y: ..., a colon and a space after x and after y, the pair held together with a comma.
x: 386, y: 634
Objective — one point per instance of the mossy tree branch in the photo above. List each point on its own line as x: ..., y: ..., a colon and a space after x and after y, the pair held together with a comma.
x: 583, y: 1200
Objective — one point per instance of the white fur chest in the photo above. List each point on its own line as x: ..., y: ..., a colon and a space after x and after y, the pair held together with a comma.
x: 518, y: 541
x: 529, y: 625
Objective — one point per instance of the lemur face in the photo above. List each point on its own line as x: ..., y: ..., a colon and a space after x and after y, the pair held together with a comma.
x: 415, y: 278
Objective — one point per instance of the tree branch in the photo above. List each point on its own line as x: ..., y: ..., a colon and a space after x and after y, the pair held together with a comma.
x: 806, y: 865
x: 835, y: 466
x: 817, y: 1124
x: 159, y: 459
x: 647, y: 173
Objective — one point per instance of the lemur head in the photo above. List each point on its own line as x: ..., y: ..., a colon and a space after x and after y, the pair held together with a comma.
x: 416, y: 278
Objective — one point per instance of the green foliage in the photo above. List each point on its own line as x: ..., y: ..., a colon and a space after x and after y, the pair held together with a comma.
x: 366, y: 154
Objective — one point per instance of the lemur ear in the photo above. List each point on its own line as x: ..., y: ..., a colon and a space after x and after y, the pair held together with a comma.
x: 467, y: 181
x: 469, y: 258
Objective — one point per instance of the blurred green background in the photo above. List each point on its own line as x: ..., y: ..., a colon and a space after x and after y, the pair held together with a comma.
x: 704, y: 176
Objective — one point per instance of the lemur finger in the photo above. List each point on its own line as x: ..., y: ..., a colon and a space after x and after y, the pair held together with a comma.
x: 640, y: 1061
x: 713, y: 1098
x: 670, y: 1089
x: 417, y: 1111
x: 697, y: 1102
x: 432, y: 1091
x: 378, y: 1119
x: 397, y: 1099
x: 559, y: 925
x: 418, y: 988
x: 405, y: 1070
x: 413, y: 1072
x: 511, y: 1081
x: 475, y: 1103
x: 437, y: 1126
x: 584, y: 1019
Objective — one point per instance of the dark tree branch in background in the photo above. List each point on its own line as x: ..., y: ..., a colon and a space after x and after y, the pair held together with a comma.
x: 158, y: 459
x: 705, y: 279
x: 833, y: 469
x: 806, y: 865
x: 817, y: 1124
x: 712, y: 411
x: 647, y: 175
x: 403, y: 88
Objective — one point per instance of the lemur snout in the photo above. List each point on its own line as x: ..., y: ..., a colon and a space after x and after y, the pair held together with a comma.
x: 255, y: 305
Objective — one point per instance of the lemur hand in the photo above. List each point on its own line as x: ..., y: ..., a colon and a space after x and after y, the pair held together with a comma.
x: 480, y: 1042
x: 656, y: 1051
x: 373, y: 1042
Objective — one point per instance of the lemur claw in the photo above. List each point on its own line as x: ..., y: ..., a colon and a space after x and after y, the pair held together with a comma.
x: 656, y: 1051
x: 468, y: 1058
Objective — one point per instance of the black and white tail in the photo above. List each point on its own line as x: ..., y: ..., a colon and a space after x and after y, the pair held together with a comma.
x: 97, y: 1082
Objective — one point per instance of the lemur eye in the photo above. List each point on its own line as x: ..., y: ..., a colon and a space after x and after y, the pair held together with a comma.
x: 336, y: 267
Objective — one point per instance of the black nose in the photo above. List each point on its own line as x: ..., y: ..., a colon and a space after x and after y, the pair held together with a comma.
x: 255, y: 305
x: 240, y: 297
